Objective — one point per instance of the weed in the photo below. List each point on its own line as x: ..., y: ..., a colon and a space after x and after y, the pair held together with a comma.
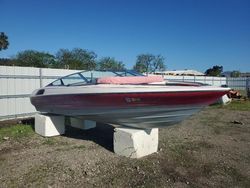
x: 16, y: 132
x: 180, y: 154
x: 38, y: 174
x: 2, y: 160
x: 237, y: 177
x: 207, y: 169
x: 79, y: 147
x: 235, y: 105
x: 218, y: 130
x: 203, y: 144
x: 49, y: 141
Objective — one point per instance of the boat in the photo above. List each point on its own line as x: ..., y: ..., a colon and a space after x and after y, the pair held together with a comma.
x: 124, y: 98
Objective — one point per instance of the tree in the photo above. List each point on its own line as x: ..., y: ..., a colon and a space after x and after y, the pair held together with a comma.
x: 7, y: 62
x: 143, y: 61
x: 215, y: 71
x: 32, y: 58
x: 108, y: 63
x: 64, y: 58
x: 4, y: 43
x: 76, y: 59
x: 158, y: 64
x: 235, y: 74
x: 149, y: 63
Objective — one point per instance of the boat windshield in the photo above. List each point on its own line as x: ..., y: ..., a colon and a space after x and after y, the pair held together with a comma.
x: 89, y: 77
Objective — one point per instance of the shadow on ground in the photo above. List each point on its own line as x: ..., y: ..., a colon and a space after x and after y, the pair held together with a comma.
x: 102, y: 135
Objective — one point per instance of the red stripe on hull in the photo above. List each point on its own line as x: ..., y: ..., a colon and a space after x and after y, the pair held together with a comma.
x: 128, y: 99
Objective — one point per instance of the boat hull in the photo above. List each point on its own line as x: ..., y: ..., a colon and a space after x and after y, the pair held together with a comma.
x: 138, y: 110
x: 143, y: 118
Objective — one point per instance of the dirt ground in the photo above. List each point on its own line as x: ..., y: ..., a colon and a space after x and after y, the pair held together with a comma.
x: 211, y: 149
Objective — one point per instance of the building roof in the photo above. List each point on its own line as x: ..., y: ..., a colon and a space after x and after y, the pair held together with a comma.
x: 181, y: 73
x: 245, y: 74
x: 241, y: 74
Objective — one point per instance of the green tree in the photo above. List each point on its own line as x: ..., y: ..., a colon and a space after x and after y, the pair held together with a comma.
x: 77, y: 58
x: 235, y: 74
x: 108, y: 63
x: 32, y: 58
x: 149, y: 63
x: 7, y: 62
x: 143, y: 61
x: 214, y: 71
x: 64, y: 58
x: 4, y: 43
x: 158, y: 64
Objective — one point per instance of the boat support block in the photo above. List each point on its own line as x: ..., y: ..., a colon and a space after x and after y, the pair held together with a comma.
x: 49, y: 125
x: 135, y: 143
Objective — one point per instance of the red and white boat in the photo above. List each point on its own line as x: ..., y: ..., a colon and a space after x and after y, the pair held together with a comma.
x: 124, y: 98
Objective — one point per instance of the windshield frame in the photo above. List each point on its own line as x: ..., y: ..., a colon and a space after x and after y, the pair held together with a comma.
x: 92, y: 80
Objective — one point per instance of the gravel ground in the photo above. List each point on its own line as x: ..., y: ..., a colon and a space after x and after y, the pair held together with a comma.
x: 211, y: 149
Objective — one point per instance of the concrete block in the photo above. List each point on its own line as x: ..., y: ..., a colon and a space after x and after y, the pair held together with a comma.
x: 82, y: 124
x: 224, y: 100
x: 49, y: 125
x: 135, y: 143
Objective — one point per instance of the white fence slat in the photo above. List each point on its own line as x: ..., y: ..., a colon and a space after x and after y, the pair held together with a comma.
x: 3, y: 86
x: 22, y: 81
x: 4, y: 108
x: 11, y: 106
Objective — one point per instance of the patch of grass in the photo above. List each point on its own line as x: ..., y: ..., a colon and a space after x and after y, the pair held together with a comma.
x: 212, y: 119
x: 182, y: 152
x: 206, y: 120
x: 237, y: 177
x: 16, y: 132
x: 38, y: 175
x: 203, y: 144
x: 134, y: 173
x: 228, y: 128
x: 2, y: 160
x: 49, y: 141
x: 54, y: 141
x: 67, y: 148
x: 219, y: 129
x: 79, y: 147
x: 193, y: 145
x: 243, y: 105
x: 181, y: 155
x: 207, y: 169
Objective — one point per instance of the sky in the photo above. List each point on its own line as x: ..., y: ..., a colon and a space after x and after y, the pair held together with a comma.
x: 189, y: 34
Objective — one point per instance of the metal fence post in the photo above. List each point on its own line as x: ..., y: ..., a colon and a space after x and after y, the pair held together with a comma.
x: 41, y: 77
x: 248, y: 87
